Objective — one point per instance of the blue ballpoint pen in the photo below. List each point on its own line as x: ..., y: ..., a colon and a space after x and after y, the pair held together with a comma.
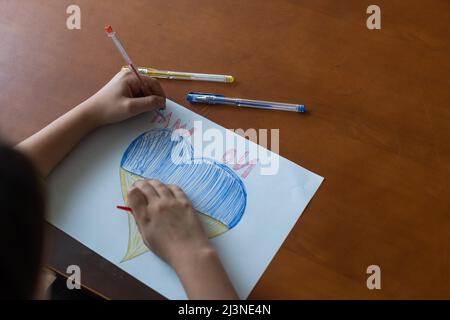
x: 208, y: 98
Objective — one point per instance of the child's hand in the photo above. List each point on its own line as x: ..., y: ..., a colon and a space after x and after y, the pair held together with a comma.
x: 167, y: 221
x: 171, y: 228
x: 122, y: 98
x: 118, y: 100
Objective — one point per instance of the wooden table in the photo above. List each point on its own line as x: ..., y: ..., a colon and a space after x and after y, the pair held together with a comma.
x: 378, y: 130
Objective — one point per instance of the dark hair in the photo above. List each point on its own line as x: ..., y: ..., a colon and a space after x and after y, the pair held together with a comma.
x: 21, y: 226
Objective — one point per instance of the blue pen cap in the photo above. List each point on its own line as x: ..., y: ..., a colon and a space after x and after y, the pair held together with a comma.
x: 301, y: 108
x: 200, y: 97
x: 191, y: 97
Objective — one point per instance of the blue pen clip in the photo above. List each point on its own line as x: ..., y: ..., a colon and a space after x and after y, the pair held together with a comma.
x: 200, y: 97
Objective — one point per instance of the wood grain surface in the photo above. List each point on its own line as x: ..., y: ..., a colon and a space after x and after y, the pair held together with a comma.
x: 378, y: 128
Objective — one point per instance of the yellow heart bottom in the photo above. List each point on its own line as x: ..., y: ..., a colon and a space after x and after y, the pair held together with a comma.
x: 136, y: 246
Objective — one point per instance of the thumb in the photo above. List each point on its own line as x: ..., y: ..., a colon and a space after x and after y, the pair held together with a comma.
x: 144, y: 104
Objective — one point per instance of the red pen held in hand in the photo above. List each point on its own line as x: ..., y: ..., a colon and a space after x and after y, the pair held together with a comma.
x: 112, y: 34
x: 127, y: 209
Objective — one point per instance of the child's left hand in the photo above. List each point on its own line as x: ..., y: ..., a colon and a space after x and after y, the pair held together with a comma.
x: 122, y: 98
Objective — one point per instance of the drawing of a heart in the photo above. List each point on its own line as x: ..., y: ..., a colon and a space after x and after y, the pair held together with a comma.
x: 216, y: 192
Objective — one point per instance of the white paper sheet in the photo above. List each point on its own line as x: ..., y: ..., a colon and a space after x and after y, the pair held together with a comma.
x: 86, y: 188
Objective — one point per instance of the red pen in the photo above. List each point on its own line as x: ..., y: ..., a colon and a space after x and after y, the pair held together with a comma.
x: 128, y: 209
x: 112, y: 34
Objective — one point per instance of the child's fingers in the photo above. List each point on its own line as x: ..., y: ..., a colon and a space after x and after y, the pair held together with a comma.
x: 149, y: 103
x: 154, y: 86
x: 131, y: 80
x: 162, y: 190
x: 137, y: 201
x: 177, y: 192
x: 148, y: 86
x: 148, y: 190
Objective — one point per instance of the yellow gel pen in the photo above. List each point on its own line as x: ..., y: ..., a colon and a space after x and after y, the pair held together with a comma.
x: 164, y: 74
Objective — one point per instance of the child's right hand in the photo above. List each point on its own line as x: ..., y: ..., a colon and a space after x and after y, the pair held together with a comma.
x: 123, y: 97
x: 167, y: 221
